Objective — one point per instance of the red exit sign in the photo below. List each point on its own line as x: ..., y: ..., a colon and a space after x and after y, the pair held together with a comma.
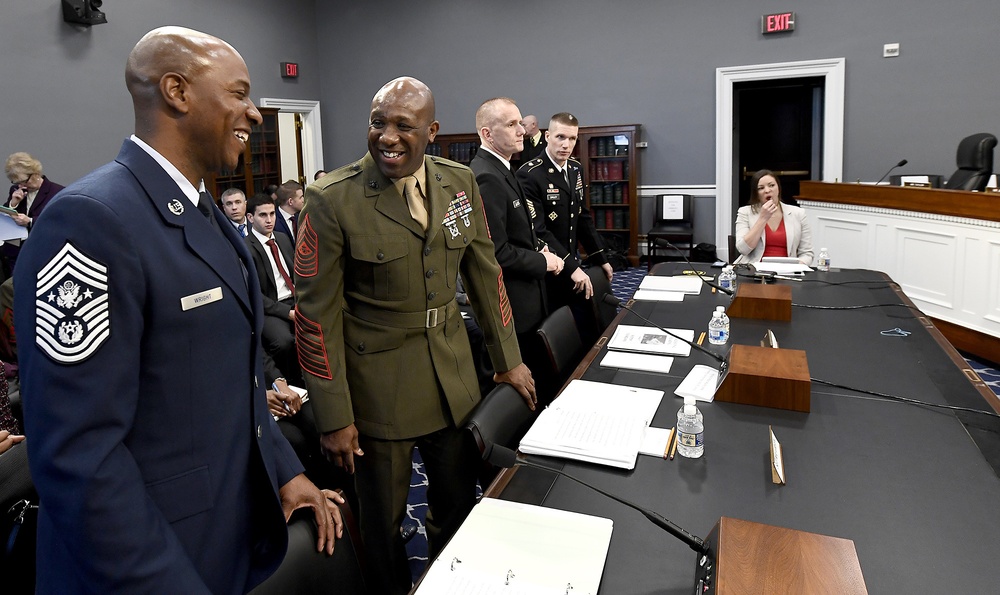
x: 290, y: 70
x: 777, y: 23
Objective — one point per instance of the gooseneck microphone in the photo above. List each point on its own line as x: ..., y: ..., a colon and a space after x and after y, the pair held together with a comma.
x: 666, y: 243
x: 901, y: 163
x: 612, y: 300
x: 501, y: 456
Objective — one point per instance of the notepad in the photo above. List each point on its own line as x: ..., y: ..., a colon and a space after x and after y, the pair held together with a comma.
x: 510, y: 548
x: 689, y: 284
x: 637, y: 361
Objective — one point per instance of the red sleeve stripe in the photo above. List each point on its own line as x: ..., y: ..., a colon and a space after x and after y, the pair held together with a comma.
x: 311, y: 347
x: 486, y: 219
x: 306, y: 254
x: 505, y: 312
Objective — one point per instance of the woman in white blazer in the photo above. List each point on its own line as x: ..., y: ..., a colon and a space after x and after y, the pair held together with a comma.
x: 766, y: 216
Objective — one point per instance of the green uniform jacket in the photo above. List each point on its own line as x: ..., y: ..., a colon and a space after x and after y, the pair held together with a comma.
x: 366, y: 276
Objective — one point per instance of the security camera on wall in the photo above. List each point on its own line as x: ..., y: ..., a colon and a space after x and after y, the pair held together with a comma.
x: 83, y: 12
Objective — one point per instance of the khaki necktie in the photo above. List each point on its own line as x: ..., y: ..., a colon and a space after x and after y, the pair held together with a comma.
x: 414, y: 200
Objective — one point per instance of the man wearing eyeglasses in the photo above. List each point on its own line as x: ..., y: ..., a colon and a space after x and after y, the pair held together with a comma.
x: 30, y: 191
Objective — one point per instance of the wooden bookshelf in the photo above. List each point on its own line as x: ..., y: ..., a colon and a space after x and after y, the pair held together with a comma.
x: 260, y: 165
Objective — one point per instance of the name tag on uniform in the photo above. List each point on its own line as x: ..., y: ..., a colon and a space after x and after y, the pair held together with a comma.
x: 200, y: 299
x: 552, y: 195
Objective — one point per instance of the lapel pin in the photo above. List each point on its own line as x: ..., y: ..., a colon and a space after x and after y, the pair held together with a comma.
x: 373, y: 185
x: 437, y: 177
x: 176, y: 207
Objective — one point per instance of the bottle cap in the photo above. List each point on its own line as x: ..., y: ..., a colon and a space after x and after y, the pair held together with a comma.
x: 720, y: 309
x: 822, y: 249
x: 689, y: 400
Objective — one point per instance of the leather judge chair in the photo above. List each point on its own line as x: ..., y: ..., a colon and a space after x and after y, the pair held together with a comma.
x: 304, y: 571
x: 673, y: 223
x: 604, y: 313
x: 565, y: 349
x: 975, y: 163
x: 502, y: 417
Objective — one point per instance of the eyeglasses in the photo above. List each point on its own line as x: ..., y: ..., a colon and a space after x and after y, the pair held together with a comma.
x: 22, y: 182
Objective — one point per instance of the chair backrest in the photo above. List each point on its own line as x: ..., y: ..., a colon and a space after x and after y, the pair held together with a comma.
x: 975, y: 163
x: 562, y: 341
x: 672, y: 209
x: 304, y: 571
x: 733, y: 252
x: 501, y: 417
x: 604, y: 313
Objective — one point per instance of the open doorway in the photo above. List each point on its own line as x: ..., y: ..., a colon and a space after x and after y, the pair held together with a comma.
x: 777, y: 125
x: 819, y: 95
x: 301, y: 136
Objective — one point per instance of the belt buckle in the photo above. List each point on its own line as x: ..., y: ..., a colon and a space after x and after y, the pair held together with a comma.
x: 432, y: 318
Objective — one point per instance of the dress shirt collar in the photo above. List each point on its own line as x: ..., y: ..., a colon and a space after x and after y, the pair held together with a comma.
x: 553, y: 161
x: 420, y: 175
x: 260, y: 237
x: 506, y: 162
x: 175, y: 174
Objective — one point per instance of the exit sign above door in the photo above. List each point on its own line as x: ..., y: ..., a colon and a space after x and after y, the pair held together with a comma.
x: 777, y: 23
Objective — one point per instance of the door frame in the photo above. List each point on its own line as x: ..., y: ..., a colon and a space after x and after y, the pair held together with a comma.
x: 831, y: 69
x: 312, y: 127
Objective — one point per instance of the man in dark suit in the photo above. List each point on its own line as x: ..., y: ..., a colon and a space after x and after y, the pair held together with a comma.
x: 523, y: 256
x: 157, y: 463
x: 289, y: 199
x: 273, y: 258
x: 29, y: 192
x: 381, y: 341
x: 553, y: 182
x: 234, y: 205
x: 534, y: 140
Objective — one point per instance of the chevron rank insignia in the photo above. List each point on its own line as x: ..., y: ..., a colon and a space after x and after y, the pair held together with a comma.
x: 71, y: 306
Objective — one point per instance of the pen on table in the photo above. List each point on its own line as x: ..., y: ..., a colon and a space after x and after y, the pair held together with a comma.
x: 670, y: 439
x: 284, y: 403
x: 673, y: 449
x: 701, y: 338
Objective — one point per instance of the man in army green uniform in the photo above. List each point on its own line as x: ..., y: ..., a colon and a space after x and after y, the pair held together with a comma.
x: 381, y: 341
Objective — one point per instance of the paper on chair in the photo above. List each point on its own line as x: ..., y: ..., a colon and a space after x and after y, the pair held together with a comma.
x: 637, y: 361
x: 510, y: 548
x: 649, y: 339
x: 690, y: 284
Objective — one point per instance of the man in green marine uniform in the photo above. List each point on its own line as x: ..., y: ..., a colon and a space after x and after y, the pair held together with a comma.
x: 381, y: 341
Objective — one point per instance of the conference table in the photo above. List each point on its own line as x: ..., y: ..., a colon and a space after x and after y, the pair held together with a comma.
x: 908, y: 483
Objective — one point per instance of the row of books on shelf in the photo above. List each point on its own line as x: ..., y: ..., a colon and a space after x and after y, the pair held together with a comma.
x: 608, y: 170
x: 608, y: 146
x: 610, y: 218
x: 609, y: 194
x: 461, y: 152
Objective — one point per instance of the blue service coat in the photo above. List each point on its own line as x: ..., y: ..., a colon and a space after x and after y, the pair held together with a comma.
x: 155, y: 458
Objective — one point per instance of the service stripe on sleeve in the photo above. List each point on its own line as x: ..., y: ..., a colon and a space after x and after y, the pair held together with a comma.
x: 306, y: 254
x: 311, y: 347
x: 505, y: 313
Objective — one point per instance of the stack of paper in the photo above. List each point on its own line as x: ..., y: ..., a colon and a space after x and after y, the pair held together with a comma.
x: 594, y: 422
x: 679, y: 284
x: 700, y: 383
x: 509, y: 548
x: 649, y: 339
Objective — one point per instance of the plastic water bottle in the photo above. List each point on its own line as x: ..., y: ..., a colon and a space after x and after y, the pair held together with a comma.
x: 725, y: 322
x: 717, y: 329
x: 690, y: 430
x: 727, y: 278
x: 823, y: 262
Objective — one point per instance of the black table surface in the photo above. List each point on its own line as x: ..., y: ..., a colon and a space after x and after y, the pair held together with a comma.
x: 905, y: 482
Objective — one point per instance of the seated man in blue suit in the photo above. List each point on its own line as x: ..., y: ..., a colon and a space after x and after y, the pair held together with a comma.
x: 159, y: 468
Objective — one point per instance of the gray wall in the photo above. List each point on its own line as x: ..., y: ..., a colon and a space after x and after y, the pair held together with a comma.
x: 64, y: 98
x: 653, y: 62
x: 650, y: 62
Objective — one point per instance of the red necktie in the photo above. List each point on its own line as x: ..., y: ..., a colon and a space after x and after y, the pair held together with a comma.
x: 281, y: 268
x: 295, y: 225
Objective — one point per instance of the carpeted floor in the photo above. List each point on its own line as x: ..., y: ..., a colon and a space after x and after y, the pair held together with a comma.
x: 623, y: 285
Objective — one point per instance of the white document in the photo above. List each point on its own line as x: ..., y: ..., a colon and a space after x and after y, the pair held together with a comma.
x: 637, y: 361
x: 904, y: 180
x: 594, y: 422
x: 654, y: 442
x: 649, y: 339
x: 700, y: 383
x: 652, y: 295
x: 10, y: 230
x: 782, y: 268
x: 683, y: 283
x: 510, y: 548
x: 673, y: 207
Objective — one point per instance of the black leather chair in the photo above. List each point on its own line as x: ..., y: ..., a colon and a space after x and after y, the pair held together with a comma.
x: 304, y: 571
x: 675, y: 226
x: 564, y: 348
x: 975, y: 163
x: 17, y: 557
x: 502, y: 417
x: 603, y: 313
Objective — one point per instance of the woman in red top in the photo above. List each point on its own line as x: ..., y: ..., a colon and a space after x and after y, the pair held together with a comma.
x: 767, y: 227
